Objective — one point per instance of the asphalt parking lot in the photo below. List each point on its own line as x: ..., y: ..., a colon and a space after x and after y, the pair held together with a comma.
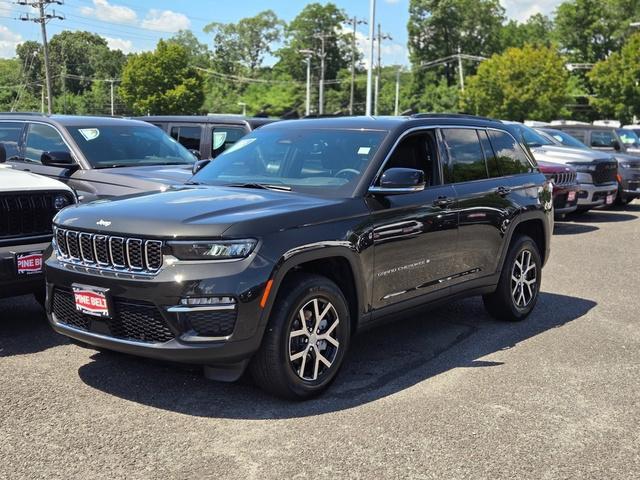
x: 446, y: 393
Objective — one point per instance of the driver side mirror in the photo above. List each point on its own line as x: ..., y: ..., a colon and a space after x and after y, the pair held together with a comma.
x: 400, y: 180
x: 59, y: 159
x: 195, y: 153
x: 199, y: 165
x: 616, y: 145
x: 3, y: 153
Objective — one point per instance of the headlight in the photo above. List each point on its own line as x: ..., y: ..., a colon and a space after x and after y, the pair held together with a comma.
x: 60, y: 201
x: 625, y: 165
x: 213, y: 250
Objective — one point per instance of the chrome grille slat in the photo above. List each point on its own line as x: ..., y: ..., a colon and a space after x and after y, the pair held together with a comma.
x: 106, y: 252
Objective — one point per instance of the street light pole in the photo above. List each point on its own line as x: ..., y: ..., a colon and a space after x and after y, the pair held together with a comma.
x: 379, y: 70
x: 354, y: 22
x: 372, y: 23
x: 308, y: 54
x: 396, y: 109
x: 321, y: 86
x: 460, y: 71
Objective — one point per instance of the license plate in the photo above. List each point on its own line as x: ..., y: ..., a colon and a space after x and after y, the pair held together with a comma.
x: 91, y: 301
x: 609, y: 200
x: 571, y: 196
x: 29, y: 263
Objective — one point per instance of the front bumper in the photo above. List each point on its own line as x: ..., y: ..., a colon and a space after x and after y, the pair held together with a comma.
x: 592, y: 196
x: 12, y: 283
x: 561, y: 203
x: 147, y: 318
x: 629, y: 184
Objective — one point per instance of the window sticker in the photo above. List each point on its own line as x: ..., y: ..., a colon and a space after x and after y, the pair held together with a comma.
x: 239, y: 144
x: 364, y: 150
x: 218, y: 139
x: 89, y: 133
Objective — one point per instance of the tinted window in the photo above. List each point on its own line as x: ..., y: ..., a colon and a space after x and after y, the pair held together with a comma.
x: 565, y: 139
x: 223, y: 137
x: 629, y: 137
x: 417, y: 151
x: 326, y: 162
x: 511, y: 157
x: 579, y: 134
x: 189, y: 137
x: 466, y: 158
x: 492, y: 160
x: 107, y: 146
x: 533, y: 138
x: 40, y: 139
x: 10, y: 137
x: 602, y: 138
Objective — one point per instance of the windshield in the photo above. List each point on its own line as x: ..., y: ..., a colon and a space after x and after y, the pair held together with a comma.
x: 108, y: 146
x: 532, y: 138
x: 326, y: 162
x: 565, y: 138
x: 629, y: 137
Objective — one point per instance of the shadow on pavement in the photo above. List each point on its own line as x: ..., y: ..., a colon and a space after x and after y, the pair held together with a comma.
x: 601, y: 216
x: 381, y: 362
x: 564, y: 228
x: 24, y: 328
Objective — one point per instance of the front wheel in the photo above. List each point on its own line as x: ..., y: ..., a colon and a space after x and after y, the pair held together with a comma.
x: 519, y: 284
x: 306, y: 338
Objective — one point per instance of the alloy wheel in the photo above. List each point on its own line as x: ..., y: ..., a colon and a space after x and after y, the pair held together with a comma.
x: 524, y: 279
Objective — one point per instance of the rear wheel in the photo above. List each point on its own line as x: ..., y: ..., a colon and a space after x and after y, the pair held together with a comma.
x: 519, y: 284
x: 306, y: 339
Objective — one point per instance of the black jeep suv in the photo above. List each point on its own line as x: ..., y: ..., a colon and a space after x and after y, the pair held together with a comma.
x: 299, y: 235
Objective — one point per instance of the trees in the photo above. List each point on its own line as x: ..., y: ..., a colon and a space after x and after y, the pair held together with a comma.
x: 162, y: 82
x: 528, y: 82
x: 615, y: 82
x: 536, y: 30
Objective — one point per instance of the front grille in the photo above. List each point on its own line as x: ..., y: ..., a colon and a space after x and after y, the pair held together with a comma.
x: 135, y: 321
x: 27, y: 214
x: 562, y: 179
x: 109, y: 252
x: 211, y: 323
x: 605, y: 172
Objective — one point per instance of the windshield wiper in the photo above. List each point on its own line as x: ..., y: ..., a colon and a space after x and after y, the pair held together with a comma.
x: 263, y: 186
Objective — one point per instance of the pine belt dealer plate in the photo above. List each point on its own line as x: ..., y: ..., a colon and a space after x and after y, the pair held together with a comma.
x: 29, y: 263
x: 609, y: 199
x: 92, y: 301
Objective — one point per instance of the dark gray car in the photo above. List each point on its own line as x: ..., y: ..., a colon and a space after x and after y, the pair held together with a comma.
x: 98, y: 157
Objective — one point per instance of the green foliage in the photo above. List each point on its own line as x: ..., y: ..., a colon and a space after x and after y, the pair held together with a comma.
x: 198, y: 53
x: 13, y: 93
x: 615, y: 82
x: 162, y: 82
x: 522, y: 83
x: 537, y: 30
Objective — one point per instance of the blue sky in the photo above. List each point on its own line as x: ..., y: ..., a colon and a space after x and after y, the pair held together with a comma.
x: 136, y: 25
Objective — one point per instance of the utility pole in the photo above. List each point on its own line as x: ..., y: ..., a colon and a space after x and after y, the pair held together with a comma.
x: 113, y: 110
x: 323, y: 54
x: 396, y: 109
x: 379, y: 71
x: 308, y: 54
x: 42, y: 19
x: 372, y: 23
x: 460, y: 71
x: 355, y: 21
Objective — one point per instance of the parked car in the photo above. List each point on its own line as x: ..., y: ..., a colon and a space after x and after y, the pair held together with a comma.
x: 98, y: 157
x: 605, y: 138
x: 597, y: 172
x: 28, y: 203
x: 302, y: 234
x: 628, y: 176
x: 206, y: 136
x: 565, y: 186
x: 634, y: 128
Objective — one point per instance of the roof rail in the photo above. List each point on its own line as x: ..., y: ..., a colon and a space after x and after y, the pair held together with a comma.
x: 451, y: 115
x: 34, y: 114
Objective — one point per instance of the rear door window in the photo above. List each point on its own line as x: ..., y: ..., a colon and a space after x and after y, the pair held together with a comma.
x: 188, y: 136
x: 489, y: 154
x: 579, y: 134
x: 10, y: 133
x: 224, y: 137
x: 466, y: 158
x: 40, y: 139
x: 602, y: 139
x: 510, y: 156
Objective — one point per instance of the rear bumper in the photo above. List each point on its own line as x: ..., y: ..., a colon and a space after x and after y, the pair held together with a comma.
x: 12, y: 283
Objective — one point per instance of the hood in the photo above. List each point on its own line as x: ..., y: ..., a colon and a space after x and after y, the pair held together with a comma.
x: 15, y: 180
x: 558, y: 154
x: 549, y: 167
x: 632, y: 160
x: 200, y: 212
x: 143, y: 178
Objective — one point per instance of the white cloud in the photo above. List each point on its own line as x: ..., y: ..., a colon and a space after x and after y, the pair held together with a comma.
x: 522, y: 9
x: 103, y: 10
x: 8, y: 42
x: 392, y: 53
x: 119, y: 44
x: 165, y: 21
x: 392, y: 1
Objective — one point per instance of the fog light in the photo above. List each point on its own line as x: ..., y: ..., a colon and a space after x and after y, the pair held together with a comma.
x: 208, y: 301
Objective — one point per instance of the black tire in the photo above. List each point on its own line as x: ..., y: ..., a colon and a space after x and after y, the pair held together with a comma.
x: 502, y: 303
x: 581, y: 210
x: 271, y: 367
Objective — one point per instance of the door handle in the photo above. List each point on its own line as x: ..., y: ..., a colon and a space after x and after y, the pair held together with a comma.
x: 503, y: 191
x: 443, y: 202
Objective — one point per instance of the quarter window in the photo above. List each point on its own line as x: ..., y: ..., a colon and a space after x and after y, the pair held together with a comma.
x: 41, y: 139
x: 489, y: 154
x: 189, y: 137
x: 223, y: 137
x: 10, y: 137
x: 465, y: 155
x: 511, y: 157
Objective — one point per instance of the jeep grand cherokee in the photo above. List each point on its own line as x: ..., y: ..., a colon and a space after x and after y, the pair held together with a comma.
x: 299, y: 235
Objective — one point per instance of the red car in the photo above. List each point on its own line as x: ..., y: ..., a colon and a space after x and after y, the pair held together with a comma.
x: 565, y: 186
